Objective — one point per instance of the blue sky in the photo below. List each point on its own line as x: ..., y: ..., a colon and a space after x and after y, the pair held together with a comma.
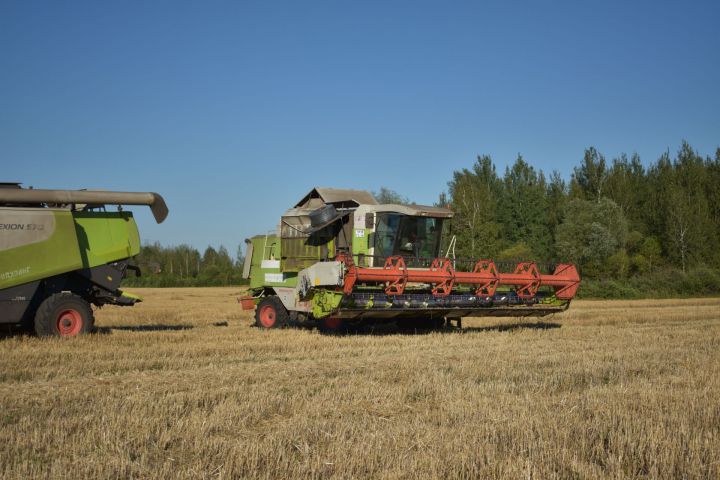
x: 233, y: 110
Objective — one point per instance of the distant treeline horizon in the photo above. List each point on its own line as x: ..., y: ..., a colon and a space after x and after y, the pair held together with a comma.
x: 633, y: 229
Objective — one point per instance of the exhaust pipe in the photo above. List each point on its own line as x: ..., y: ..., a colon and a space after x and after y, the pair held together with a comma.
x: 90, y: 197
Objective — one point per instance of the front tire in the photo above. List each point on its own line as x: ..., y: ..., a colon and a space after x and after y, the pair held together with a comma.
x: 64, y: 315
x: 271, y: 313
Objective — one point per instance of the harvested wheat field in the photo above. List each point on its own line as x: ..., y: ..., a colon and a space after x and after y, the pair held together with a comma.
x: 182, y: 386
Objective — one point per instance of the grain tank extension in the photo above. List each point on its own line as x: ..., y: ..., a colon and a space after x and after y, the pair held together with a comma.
x: 61, y: 251
x: 340, y: 258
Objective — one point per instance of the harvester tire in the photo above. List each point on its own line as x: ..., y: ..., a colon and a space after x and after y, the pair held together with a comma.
x: 271, y: 313
x: 64, y: 315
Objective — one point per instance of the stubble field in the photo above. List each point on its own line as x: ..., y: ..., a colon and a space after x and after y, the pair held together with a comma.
x: 182, y: 386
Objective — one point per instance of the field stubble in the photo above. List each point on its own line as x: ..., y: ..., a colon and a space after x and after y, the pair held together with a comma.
x: 167, y: 389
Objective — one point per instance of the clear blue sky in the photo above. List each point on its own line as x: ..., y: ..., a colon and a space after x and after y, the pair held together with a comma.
x: 233, y: 110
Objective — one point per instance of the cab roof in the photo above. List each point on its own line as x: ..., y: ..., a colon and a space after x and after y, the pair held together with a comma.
x: 341, y: 198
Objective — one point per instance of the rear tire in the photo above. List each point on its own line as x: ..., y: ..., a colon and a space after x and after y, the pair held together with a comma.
x: 64, y: 315
x: 271, y: 313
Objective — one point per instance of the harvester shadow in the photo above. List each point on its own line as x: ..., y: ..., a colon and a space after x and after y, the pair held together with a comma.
x: 13, y: 332
x: 143, y: 328
x: 7, y: 332
x: 390, y: 329
x: 506, y: 327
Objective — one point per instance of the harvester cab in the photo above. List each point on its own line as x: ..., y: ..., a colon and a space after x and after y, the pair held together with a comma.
x: 338, y: 258
x: 61, y: 251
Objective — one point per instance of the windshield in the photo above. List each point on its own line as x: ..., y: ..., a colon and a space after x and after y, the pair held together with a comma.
x: 397, y: 234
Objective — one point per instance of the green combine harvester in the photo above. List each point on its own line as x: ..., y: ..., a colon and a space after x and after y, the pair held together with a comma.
x: 338, y: 258
x: 61, y: 251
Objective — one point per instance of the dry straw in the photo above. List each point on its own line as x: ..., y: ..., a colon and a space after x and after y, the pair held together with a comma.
x: 609, y: 389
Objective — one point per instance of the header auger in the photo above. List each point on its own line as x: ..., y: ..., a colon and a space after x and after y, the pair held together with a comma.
x: 338, y: 257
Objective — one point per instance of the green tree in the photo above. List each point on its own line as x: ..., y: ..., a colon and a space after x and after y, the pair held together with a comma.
x: 518, y: 251
x: 474, y: 194
x: 524, y: 209
x: 591, y: 176
x: 681, y: 209
x: 626, y: 185
x: 210, y: 257
x: 618, y: 264
x: 651, y: 251
x: 591, y: 232
x: 556, y: 197
x: 388, y: 196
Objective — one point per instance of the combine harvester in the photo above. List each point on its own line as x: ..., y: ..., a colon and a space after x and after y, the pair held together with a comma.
x: 339, y: 258
x: 61, y: 251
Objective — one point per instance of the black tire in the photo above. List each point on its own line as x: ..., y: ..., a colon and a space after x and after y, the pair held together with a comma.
x: 271, y: 313
x: 64, y: 315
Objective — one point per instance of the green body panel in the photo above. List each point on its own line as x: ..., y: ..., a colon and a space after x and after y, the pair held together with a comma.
x: 360, y: 244
x: 265, y: 268
x: 47, y: 242
x: 325, y: 302
x: 43, y: 257
x: 105, y: 237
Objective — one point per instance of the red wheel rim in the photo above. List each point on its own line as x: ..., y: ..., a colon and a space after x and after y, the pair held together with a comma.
x: 267, y: 316
x: 333, y: 323
x: 69, y: 323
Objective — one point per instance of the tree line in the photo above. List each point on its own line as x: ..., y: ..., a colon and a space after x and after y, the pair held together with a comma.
x: 185, y: 266
x: 633, y: 229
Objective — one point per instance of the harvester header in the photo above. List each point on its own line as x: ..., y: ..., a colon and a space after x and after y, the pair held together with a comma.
x: 340, y: 257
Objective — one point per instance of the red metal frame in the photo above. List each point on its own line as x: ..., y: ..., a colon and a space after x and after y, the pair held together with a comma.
x: 397, y: 274
x: 444, y: 269
x: 247, y: 302
x: 526, y: 278
x: 487, y: 270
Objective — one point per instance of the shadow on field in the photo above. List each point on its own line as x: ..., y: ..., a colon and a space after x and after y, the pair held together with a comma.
x: 392, y: 329
x: 514, y: 326
x: 9, y: 331
x: 13, y: 331
x: 144, y: 328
